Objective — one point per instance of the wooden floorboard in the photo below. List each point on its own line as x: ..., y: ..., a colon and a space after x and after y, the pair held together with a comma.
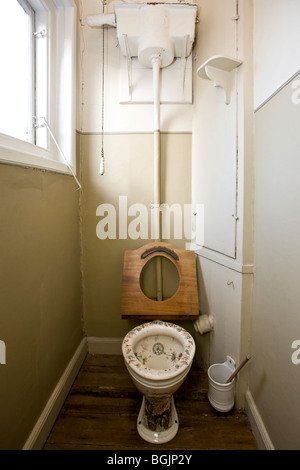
x: 100, y: 413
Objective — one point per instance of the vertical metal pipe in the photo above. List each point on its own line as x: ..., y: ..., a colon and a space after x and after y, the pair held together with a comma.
x: 156, y: 64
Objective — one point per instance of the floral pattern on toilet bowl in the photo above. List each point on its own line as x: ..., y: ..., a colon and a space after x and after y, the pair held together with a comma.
x: 156, y: 352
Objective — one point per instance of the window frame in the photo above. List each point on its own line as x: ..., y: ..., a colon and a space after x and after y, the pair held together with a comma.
x: 57, y: 51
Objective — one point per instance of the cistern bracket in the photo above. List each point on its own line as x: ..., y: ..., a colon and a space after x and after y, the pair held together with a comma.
x: 219, y: 70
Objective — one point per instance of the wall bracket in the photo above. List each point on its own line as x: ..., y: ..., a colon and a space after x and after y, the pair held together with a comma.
x: 218, y: 69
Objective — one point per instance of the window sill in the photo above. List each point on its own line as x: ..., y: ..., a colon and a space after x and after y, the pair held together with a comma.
x: 16, y: 152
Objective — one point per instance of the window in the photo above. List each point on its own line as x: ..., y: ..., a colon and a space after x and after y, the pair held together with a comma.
x: 37, y: 83
x: 15, y: 93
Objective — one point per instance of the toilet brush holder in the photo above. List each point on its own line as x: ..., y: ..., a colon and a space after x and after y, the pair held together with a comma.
x: 221, y: 395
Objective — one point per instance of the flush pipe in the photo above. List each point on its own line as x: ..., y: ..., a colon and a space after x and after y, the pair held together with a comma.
x: 156, y: 65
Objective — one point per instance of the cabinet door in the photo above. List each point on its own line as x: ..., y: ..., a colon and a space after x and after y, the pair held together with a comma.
x: 214, y: 161
x: 214, y: 173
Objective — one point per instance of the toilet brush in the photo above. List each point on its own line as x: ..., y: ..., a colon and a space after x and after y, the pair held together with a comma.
x: 238, y: 369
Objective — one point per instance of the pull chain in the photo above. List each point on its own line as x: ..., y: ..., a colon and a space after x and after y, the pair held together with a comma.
x: 102, y: 169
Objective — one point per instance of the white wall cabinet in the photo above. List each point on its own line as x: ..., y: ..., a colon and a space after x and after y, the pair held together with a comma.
x: 214, y: 169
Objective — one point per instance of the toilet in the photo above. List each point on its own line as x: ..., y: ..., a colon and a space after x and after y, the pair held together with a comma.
x: 158, y: 353
x: 158, y: 356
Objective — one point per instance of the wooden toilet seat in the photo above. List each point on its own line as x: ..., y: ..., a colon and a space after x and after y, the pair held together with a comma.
x: 182, y: 305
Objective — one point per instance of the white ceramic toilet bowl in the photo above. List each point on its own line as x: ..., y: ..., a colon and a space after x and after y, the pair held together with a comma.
x: 158, y: 356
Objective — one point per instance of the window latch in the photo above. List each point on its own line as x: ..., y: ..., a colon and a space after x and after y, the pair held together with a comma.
x: 40, y: 34
x: 39, y: 122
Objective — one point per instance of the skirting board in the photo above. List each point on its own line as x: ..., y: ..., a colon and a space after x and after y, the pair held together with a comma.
x: 258, y: 428
x: 46, y: 420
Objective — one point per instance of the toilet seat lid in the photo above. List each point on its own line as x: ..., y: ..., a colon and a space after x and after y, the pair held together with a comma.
x: 172, y: 356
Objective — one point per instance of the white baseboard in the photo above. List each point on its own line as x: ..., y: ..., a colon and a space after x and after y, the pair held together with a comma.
x: 258, y: 428
x: 46, y: 420
x: 105, y: 345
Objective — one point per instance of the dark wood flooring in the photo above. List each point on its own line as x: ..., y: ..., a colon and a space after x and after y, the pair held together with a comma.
x: 101, y: 410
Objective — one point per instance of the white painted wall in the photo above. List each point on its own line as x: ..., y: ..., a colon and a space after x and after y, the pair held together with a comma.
x: 274, y: 378
x: 277, y: 45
